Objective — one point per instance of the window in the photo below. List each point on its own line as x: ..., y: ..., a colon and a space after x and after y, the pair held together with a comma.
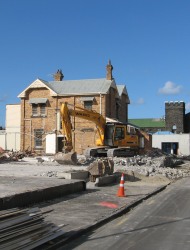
x: 119, y: 133
x: 42, y: 109
x: 34, y: 109
x: 38, y: 138
x: 117, y: 111
x: 39, y: 109
x: 88, y: 105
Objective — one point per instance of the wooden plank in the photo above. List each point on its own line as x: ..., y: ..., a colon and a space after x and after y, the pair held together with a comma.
x: 25, y: 229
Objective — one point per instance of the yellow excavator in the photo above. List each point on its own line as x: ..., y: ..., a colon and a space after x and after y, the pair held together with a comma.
x: 115, y: 138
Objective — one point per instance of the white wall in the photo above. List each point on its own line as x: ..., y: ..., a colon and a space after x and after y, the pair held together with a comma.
x: 13, y: 118
x: 2, y: 139
x: 12, y: 124
x: 182, y: 139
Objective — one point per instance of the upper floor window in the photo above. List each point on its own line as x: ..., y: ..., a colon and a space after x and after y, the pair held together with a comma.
x: 88, y: 101
x: 38, y: 109
x: 38, y: 106
x: 88, y: 105
x: 34, y: 109
x: 42, y: 109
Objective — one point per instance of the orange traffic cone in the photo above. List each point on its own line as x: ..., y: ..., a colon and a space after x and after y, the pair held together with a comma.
x: 121, y: 192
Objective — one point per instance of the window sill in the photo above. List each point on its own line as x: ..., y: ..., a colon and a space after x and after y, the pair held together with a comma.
x: 38, y: 116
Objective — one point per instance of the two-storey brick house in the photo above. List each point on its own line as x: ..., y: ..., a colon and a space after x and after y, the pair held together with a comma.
x: 40, y: 110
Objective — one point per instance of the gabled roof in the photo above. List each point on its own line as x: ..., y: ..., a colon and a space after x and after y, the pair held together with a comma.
x: 38, y: 83
x: 73, y: 87
x: 148, y: 122
x: 123, y: 91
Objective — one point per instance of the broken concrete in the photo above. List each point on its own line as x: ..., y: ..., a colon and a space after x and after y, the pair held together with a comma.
x: 66, y: 158
x: 100, y: 167
x: 105, y: 180
x: 79, y: 175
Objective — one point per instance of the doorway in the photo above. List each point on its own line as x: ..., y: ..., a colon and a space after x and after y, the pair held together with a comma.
x: 59, y: 143
x: 170, y: 147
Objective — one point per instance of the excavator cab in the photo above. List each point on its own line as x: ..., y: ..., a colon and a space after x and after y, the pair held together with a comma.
x: 117, y: 135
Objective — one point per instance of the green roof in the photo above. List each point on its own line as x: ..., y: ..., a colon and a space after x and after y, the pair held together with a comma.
x: 148, y: 122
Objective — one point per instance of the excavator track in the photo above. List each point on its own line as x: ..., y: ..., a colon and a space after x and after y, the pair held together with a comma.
x: 109, y: 152
x: 120, y: 152
x: 96, y: 152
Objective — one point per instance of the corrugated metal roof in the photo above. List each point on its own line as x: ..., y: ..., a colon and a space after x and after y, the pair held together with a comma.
x: 75, y: 87
x: 148, y: 122
x: 78, y: 87
x: 163, y: 133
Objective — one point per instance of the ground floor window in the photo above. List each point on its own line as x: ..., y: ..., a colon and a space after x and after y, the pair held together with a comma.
x: 38, y: 133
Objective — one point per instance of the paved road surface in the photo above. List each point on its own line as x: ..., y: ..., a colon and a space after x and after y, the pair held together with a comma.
x: 160, y: 223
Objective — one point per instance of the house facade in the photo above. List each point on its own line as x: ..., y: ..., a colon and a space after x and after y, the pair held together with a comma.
x: 40, y: 110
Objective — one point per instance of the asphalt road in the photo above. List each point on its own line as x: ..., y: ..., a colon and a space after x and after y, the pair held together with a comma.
x: 160, y: 223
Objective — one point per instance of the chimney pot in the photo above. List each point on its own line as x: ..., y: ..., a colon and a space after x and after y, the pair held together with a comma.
x: 109, y: 68
x: 58, y: 76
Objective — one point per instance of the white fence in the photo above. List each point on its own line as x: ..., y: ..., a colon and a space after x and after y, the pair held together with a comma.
x: 10, y: 140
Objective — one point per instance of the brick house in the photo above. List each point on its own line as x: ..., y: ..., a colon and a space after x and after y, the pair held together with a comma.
x: 40, y: 110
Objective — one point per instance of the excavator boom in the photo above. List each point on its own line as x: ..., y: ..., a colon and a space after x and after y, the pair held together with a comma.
x: 86, y: 114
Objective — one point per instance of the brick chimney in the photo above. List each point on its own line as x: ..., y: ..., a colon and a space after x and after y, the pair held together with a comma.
x: 58, y: 76
x: 109, y: 68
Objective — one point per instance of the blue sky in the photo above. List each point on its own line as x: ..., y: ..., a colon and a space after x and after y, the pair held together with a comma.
x: 148, y: 42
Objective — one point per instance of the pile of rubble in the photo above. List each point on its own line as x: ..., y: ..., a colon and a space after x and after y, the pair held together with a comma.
x: 154, y: 163
x: 7, y: 155
x: 100, y: 168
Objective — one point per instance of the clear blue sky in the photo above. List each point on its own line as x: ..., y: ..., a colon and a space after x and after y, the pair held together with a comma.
x: 148, y: 42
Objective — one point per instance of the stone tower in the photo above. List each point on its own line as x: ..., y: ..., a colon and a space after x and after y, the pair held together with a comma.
x: 175, y: 116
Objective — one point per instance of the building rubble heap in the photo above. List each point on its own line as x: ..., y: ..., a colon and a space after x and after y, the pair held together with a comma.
x: 154, y: 163
x: 10, y: 155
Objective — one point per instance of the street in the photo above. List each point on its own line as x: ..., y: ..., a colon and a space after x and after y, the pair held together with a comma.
x: 160, y: 223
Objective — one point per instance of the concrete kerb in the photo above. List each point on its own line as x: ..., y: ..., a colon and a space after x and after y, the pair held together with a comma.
x: 41, y: 194
x: 73, y: 235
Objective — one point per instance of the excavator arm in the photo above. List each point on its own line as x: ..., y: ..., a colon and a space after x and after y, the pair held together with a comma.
x: 67, y: 128
x: 82, y: 113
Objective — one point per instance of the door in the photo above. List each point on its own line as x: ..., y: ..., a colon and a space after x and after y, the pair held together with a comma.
x: 170, y: 147
x: 60, y: 143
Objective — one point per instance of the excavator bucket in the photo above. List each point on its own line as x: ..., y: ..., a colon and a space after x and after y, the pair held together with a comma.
x: 66, y: 158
